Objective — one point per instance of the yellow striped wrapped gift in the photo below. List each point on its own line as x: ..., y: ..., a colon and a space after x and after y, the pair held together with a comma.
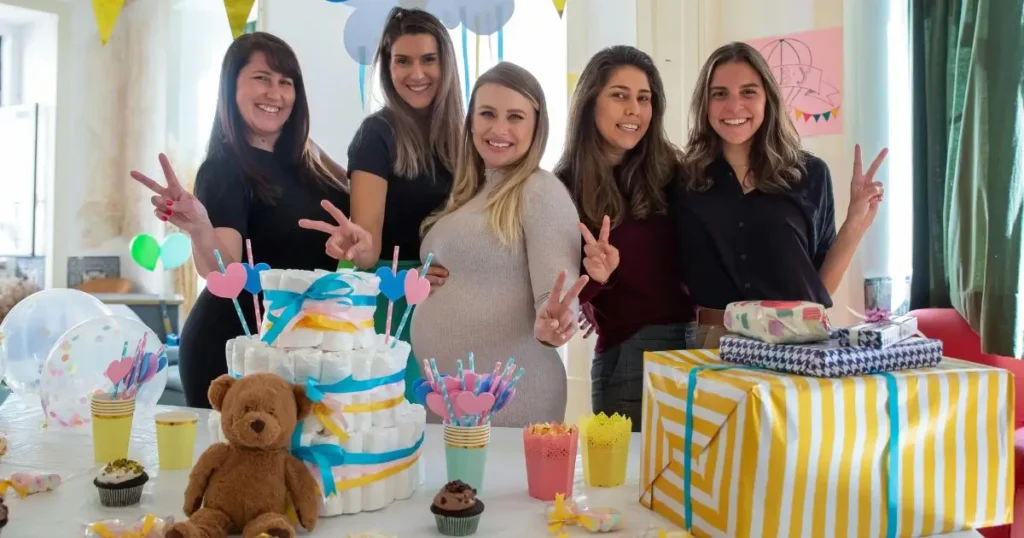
x: 782, y: 455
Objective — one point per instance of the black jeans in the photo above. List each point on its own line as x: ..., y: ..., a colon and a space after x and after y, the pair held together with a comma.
x: 617, y: 373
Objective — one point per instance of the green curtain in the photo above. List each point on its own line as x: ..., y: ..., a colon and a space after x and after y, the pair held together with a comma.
x: 968, y: 58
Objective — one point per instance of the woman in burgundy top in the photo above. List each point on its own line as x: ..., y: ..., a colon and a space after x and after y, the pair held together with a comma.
x: 617, y: 164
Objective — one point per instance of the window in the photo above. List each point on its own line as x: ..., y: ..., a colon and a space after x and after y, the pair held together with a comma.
x: 899, y: 188
x: 19, y: 126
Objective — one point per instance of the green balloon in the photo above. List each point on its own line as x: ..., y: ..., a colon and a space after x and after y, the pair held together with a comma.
x: 145, y: 251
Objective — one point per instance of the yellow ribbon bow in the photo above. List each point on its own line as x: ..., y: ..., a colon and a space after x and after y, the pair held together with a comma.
x: 560, y: 516
x: 147, y: 526
x: 10, y: 484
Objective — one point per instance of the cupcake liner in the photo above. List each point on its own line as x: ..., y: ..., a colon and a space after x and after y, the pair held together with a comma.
x: 120, y: 497
x: 457, y: 526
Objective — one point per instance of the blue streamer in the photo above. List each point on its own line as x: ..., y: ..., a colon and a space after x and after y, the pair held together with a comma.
x: 329, y: 287
x: 315, y: 391
x: 501, y: 45
x: 327, y: 456
x: 892, y: 480
x: 465, y: 53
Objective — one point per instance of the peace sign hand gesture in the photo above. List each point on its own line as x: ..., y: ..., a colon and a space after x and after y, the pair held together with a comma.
x: 601, y: 257
x: 555, y: 324
x: 173, y: 203
x: 865, y: 193
x: 347, y: 239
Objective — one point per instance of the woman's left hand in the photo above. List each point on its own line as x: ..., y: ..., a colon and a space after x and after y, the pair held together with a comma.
x: 865, y: 193
x: 555, y: 324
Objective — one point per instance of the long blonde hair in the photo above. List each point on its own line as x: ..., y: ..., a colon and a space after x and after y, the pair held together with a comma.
x: 776, y: 160
x: 418, y: 142
x: 638, y: 189
x: 505, y: 201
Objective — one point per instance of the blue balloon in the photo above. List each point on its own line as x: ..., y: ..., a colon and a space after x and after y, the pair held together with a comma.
x: 252, y: 277
x: 391, y: 285
x: 421, y: 393
x: 364, y: 28
x: 176, y: 250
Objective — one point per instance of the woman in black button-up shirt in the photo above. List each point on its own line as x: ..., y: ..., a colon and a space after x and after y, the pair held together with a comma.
x: 756, y: 213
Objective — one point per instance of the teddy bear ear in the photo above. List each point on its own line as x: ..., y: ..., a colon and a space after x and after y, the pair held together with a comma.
x: 302, y: 403
x: 219, y: 389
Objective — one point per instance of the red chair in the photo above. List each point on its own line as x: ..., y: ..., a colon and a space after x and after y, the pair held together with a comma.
x: 959, y: 341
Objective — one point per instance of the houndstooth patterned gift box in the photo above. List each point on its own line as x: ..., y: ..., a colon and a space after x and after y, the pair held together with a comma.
x: 829, y: 359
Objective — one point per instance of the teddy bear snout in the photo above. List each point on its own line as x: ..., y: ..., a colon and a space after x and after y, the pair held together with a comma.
x: 257, y: 425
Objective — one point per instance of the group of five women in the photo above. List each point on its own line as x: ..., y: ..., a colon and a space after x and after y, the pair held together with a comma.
x: 643, y: 242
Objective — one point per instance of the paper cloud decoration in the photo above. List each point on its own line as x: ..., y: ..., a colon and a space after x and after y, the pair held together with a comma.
x: 446, y: 10
x: 364, y: 27
x: 485, y: 17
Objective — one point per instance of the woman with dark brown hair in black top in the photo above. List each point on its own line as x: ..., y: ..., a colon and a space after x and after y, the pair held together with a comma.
x: 755, y: 212
x: 261, y: 175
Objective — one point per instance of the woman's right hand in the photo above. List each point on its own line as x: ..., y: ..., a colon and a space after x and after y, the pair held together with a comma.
x: 173, y: 203
x: 601, y: 257
x: 436, y: 275
x: 347, y: 239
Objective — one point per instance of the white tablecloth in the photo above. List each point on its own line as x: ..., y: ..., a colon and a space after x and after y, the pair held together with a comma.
x: 64, y: 513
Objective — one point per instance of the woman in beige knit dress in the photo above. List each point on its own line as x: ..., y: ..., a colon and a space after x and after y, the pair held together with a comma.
x: 504, y: 246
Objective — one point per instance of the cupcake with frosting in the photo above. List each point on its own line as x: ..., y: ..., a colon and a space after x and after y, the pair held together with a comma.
x: 456, y: 509
x: 120, y: 483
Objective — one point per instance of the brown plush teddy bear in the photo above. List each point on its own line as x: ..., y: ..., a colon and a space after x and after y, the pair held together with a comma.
x: 244, y: 485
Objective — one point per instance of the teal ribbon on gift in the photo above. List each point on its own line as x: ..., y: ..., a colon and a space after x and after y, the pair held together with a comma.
x: 330, y: 287
x: 327, y: 456
x: 316, y: 391
x: 893, y: 448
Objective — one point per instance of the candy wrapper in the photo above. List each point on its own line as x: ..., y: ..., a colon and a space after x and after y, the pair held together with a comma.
x: 605, y: 443
x: 149, y: 526
x: 550, y: 459
x: 565, y: 512
x: 29, y: 483
x: 778, y: 322
x: 878, y: 333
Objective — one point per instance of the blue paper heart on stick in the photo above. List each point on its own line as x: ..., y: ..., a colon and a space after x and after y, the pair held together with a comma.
x: 252, y: 277
x: 421, y: 393
x: 391, y: 285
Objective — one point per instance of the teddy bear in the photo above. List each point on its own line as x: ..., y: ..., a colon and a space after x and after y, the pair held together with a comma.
x: 243, y: 486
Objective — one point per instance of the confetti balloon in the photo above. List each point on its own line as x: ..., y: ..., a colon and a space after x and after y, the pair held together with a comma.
x: 33, y: 326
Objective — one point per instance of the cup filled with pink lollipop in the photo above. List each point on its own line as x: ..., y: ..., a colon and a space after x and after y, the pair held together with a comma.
x: 467, y: 403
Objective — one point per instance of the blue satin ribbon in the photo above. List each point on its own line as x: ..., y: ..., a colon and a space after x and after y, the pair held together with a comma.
x: 329, y: 287
x: 315, y: 391
x: 892, y: 479
x: 327, y: 456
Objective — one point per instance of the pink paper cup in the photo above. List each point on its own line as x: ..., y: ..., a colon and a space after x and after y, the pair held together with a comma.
x: 550, y: 463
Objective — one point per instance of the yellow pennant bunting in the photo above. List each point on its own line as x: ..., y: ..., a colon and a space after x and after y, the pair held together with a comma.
x: 238, y: 15
x: 559, y: 6
x: 106, y: 12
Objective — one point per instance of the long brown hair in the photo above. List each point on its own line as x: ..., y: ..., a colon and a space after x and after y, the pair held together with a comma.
x: 417, y: 142
x: 504, y: 204
x: 776, y: 160
x: 228, y: 138
x: 637, y: 188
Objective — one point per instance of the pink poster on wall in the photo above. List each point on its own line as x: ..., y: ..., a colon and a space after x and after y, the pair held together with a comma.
x: 809, y: 68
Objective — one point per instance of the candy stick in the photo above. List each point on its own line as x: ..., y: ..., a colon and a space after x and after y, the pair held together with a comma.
x: 472, y: 363
x: 452, y: 419
x: 408, y: 310
x: 508, y: 389
x: 238, y: 309
x: 494, y: 378
x: 391, y: 304
x: 255, y: 298
x: 458, y: 370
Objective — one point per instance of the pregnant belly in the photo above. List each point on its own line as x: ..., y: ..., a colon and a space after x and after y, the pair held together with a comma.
x: 458, y: 321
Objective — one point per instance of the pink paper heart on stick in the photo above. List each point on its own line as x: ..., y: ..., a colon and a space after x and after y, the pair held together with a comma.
x: 229, y: 284
x: 474, y: 404
x: 435, y: 402
x: 417, y: 288
x: 118, y: 370
x: 470, y: 378
x: 452, y: 384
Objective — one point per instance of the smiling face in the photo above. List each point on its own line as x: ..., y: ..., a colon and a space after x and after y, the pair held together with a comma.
x: 503, y: 124
x: 264, y: 98
x: 623, y: 109
x: 416, y: 69
x: 736, y: 102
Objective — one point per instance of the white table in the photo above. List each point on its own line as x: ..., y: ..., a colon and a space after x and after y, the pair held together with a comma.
x: 63, y: 513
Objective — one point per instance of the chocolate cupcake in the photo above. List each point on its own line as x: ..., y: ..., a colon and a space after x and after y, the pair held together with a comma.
x: 456, y: 509
x: 120, y: 483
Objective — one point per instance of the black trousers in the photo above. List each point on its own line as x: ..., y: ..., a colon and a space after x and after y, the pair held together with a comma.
x: 617, y: 373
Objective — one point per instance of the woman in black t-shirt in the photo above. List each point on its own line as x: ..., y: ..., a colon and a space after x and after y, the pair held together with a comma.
x: 260, y: 177
x: 756, y: 213
x: 401, y: 159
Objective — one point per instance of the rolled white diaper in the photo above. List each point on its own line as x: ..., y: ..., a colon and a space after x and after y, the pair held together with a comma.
x: 282, y: 363
x: 410, y: 427
x: 216, y: 434
x: 365, y: 339
x: 307, y: 364
x: 239, y: 347
x: 271, y: 279
x: 258, y: 359
x: 362, y: 364
x: 381, y: 493
x: 338, y: 341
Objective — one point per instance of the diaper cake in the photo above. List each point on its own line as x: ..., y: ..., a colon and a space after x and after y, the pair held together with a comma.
x: 362, y: 441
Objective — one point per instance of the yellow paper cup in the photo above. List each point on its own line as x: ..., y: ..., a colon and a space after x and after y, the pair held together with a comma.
x: 111, y: 427
x: 176, y: 439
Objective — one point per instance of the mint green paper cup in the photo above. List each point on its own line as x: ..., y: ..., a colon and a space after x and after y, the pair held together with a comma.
x: 465, y: 453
